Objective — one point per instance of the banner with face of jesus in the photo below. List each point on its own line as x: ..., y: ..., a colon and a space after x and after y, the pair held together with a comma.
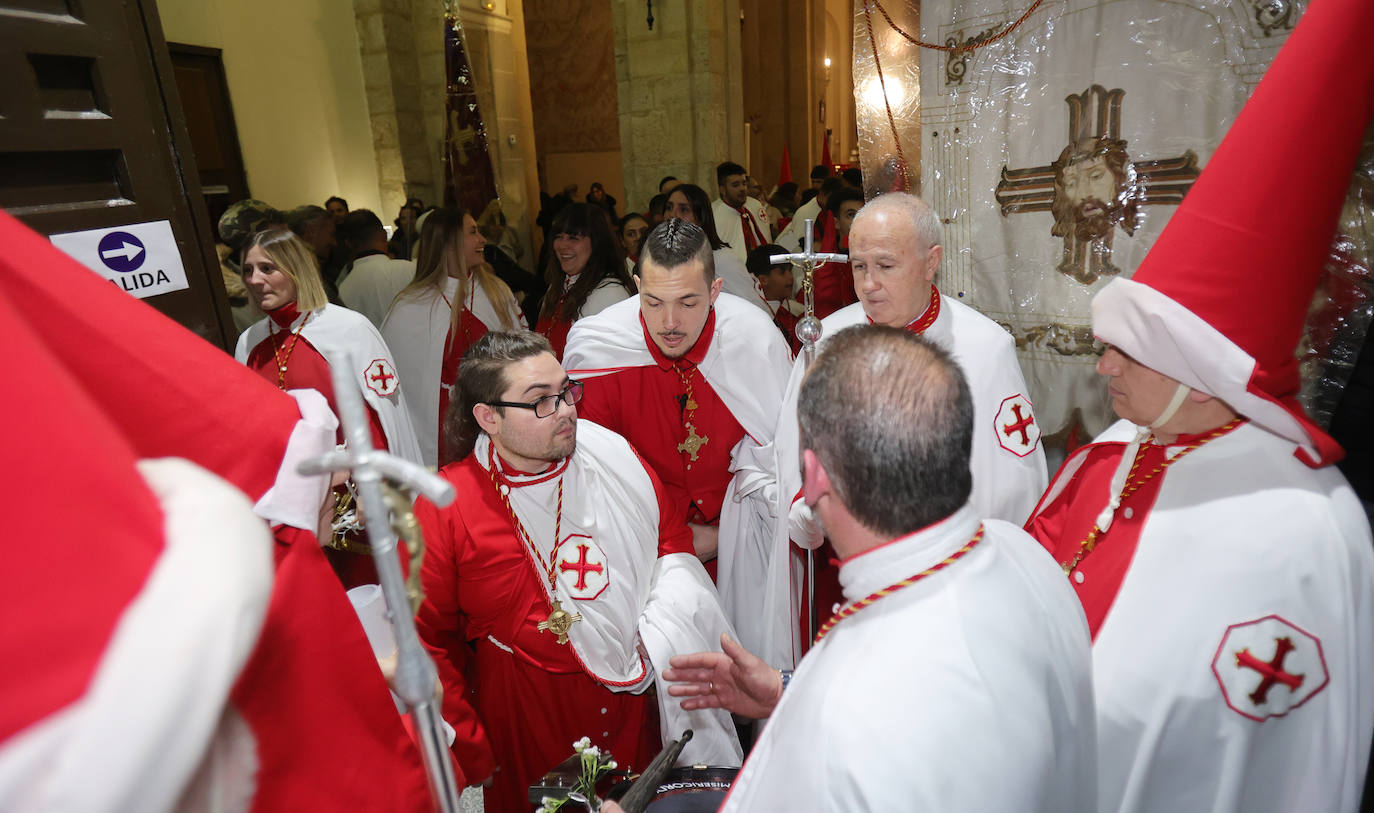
x: 1056, y: 154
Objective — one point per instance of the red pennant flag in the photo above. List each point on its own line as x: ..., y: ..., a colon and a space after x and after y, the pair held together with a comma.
x: 785, y: 171
x: 825, y: 151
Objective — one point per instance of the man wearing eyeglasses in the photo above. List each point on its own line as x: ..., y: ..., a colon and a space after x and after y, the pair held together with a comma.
x: 694, y: 379
x: 558, y: 584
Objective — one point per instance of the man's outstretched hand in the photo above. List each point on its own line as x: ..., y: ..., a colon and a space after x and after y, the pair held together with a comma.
x: 735, y: 680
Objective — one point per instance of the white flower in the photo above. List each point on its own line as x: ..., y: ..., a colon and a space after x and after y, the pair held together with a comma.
x: 612, y: 765
x: 592, y: 751
x: 582, y: 744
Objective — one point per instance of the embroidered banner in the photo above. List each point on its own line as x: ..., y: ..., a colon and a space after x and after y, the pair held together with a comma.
x: 1057, y: 154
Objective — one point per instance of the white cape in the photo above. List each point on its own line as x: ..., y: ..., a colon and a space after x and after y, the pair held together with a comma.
x: 747, y: 365
x: 337, y: 332
x: 666, y: 602
x: 416, y: 329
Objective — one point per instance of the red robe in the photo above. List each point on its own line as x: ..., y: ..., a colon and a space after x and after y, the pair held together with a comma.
x: 834, y: 282
x: 307, y: 369
x: 325, y: 733
x: 1063, y: 523
x: 311, y: 635
x: 787, y: 323
x: 519, y: 705
x: 646, y: 405
x: 470, y: 329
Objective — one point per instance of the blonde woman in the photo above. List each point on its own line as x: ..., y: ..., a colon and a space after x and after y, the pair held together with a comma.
x: 301, y: 330
x: 453, y: 301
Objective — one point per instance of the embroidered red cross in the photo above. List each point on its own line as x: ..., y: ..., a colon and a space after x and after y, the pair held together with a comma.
x: 1272, y: 671
x: 1021, y: 425
x: 382, y: 376
x: 581, y: 566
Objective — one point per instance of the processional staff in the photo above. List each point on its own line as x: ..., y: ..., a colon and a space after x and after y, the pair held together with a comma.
x: 416, y: 679
x: 809, y: 334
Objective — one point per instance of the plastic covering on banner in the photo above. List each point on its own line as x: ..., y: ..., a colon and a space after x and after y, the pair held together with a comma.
x: 887, y: 106
x: 1344, y: 303
x: 1056, y: 154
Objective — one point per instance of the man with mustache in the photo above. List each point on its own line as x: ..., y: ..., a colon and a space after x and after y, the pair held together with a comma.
x: 1090, y: 194
x: 558, y: 584
x: 694, y: 378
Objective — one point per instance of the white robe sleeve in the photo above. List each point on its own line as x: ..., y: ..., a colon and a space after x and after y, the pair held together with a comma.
x: 683, y: 616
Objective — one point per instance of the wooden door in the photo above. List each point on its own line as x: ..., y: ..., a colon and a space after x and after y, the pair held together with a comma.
x: 204, y: 93
x: 92, y: 137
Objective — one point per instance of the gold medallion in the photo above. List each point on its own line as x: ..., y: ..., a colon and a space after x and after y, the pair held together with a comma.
x: 559, y: 622
x: 693, y: 443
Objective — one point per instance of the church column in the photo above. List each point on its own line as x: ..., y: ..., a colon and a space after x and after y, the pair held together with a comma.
x: 680, y: 106
x: 391, y: 82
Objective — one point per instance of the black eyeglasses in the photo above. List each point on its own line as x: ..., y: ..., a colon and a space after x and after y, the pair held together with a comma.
x: 545, y: 407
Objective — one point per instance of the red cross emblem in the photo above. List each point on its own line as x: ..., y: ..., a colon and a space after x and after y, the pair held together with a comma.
x: 380, y: 377
x: 579, y: 554
x: 1268, y: 667
x: 1015, y: 426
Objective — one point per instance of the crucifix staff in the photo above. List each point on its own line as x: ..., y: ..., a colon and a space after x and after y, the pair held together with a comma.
x: 808, y: 260
x: 416, y: 677
x: 809, y: 333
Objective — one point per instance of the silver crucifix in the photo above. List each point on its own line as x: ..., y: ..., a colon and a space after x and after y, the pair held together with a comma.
x: 808, y: 260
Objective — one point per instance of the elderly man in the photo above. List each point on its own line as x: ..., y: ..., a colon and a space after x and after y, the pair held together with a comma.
x: 957, y: 676
x: 895, y: 250
x: 694, y: 378
x: 1225, y: 566
x: 558, y: 584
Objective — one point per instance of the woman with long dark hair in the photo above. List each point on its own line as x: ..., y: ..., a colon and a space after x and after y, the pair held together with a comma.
x: 454, y: 300
x: 690, y: 202
x: 586, y: 271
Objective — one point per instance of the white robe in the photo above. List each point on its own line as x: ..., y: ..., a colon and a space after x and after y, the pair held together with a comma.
x: 667, y: 602
x: 608, y: 292
x: 336, y: 331
x: 792, y: 236
x: 737, y: 280
x: 416, y: 330
x: 968, y: 691
x: 747, y: 365
x: 1241, y: 532
x: 1008, y: 476
x: 731, y: 230
x: 373, y: 283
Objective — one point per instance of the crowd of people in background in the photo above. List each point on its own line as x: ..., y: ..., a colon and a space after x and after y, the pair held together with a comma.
x: 364, y: 265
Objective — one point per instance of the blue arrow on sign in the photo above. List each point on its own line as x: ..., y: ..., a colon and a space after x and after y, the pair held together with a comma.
x: 122, y: 252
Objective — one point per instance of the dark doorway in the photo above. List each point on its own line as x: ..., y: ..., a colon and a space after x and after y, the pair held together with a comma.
x: 210, y: 123
x: 92, y: 137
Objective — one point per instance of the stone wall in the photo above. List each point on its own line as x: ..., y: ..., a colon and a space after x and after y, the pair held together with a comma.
x: 391, y: 82
x: 680, y: 92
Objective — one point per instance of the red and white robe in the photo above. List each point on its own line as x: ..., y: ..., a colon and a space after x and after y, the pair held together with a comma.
x: 419, y: 331
x: 515, y: 696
